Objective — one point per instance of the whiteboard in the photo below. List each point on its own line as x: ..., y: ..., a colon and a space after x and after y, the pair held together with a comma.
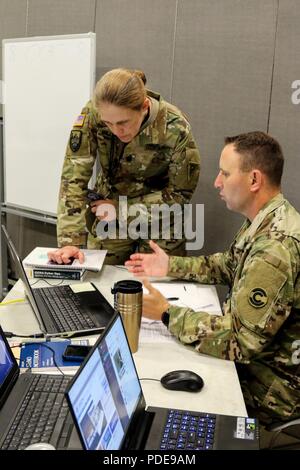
x: 47, y: 81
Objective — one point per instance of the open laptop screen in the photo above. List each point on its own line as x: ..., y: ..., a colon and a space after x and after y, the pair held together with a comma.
x: 6, y: 363
x: 105, y: 392
x: 20, y: 271
x: 8, y: 368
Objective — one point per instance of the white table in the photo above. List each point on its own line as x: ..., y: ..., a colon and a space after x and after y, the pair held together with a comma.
x: 221, y: 392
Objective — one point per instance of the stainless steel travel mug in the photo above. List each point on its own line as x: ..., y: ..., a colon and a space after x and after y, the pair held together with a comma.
x: 128, y: 300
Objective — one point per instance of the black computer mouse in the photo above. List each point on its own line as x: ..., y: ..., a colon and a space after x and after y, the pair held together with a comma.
x: 184, y: 380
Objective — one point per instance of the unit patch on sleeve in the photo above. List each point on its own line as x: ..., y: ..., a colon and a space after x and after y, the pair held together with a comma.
x: 75, y: 140
x: 258, y: 297
x: 80, y: 120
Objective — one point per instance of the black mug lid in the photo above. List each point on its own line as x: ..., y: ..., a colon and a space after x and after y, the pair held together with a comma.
x: 127, y: 287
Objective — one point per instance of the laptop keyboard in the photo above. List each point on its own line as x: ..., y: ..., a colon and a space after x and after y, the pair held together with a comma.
x: 188, y: 430
x: 65, y: 309
x: 43, y: 416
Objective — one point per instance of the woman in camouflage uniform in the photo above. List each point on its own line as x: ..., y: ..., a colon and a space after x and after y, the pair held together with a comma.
x: 146, y: 152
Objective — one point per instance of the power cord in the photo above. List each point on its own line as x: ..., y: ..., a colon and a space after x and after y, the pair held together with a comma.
x: 10, y: 334
x: 47, y: 282
x: 148, y: 378
x: 13, y: 301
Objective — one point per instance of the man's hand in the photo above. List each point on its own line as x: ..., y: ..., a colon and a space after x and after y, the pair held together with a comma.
x: 65, y: 254
x: 149, y: 264
x: 154, y: 303
x: 104, y: 209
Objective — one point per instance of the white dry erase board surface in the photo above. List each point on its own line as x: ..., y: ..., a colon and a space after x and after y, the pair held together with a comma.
x: 46, y: 82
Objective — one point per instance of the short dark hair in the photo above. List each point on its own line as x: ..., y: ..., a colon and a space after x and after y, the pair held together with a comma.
x: 259, y: 150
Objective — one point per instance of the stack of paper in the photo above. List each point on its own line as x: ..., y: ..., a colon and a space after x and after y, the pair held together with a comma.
x: 38, y: 265
x: 186, y: 294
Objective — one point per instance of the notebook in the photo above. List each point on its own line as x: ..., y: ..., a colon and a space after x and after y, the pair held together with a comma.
x: 109, y: 410
x: 64, y: 310
x: 32, y: 406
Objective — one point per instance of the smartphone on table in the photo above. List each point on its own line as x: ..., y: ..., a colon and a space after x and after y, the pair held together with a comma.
x: 76, y: 352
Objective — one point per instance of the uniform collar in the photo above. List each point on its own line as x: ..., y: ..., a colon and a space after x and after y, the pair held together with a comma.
x: 148, y: 131
x: 269, y: 207
x: 253, y: 227
x: 153, y: 112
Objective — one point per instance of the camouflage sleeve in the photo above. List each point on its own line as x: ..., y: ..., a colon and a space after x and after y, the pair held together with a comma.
x: 214, y: 269
x: 183, y: 175
x: 260, y: 303
x: 218, y: 268
x: 77, y: 170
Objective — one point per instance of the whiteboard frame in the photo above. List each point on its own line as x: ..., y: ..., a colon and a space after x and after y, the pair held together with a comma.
x: 18, y: 208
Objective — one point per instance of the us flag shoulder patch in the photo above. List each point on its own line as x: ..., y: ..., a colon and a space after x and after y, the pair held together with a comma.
x: 80, y: 120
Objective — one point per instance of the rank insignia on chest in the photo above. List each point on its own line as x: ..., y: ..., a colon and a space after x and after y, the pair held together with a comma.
x: 75, y: 140
x: 80, y: 120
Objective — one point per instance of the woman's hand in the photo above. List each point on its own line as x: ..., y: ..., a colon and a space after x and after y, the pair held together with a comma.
x: 65, y: 254
x: 105, y: 209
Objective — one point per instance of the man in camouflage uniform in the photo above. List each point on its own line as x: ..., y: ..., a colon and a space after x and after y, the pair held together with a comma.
x: 160, y: 165
x: 260, y: 326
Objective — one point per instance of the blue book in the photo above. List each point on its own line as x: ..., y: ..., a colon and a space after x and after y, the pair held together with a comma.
x: 35, y: 355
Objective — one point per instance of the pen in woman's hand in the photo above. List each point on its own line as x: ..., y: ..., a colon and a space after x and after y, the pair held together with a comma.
x: 172, y: 298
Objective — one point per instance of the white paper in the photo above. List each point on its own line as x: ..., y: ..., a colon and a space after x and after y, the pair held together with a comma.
x: 196, y: 296
x: 83, y: 287
x: 93, y: 260
x: 154, y: 332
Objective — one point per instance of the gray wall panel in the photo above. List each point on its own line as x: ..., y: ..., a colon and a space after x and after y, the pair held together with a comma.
x: 12, y: 24
x: 137, y: 34
x: 51, y: 17
x: 213, y: 58
x: 285, y: 116
x: 12, y: 19
x: 222, y: 79
x: 27, y: 234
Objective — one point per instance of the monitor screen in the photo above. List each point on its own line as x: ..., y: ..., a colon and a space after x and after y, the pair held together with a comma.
x: 106, y: 392
x: 6, y: 362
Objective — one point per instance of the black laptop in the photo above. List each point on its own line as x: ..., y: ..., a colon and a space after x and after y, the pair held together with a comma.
x: 64, y: 310
x: 33, y: 407
x: 109, y: 411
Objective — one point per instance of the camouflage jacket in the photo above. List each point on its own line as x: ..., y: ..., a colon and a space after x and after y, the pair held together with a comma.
x: 260, y: 327
x: 160, y: 165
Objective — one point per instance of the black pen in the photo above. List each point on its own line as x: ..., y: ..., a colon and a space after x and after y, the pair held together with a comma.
x: 172, y: 298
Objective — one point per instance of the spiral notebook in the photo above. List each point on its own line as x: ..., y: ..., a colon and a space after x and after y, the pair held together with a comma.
x: 38, y: 258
